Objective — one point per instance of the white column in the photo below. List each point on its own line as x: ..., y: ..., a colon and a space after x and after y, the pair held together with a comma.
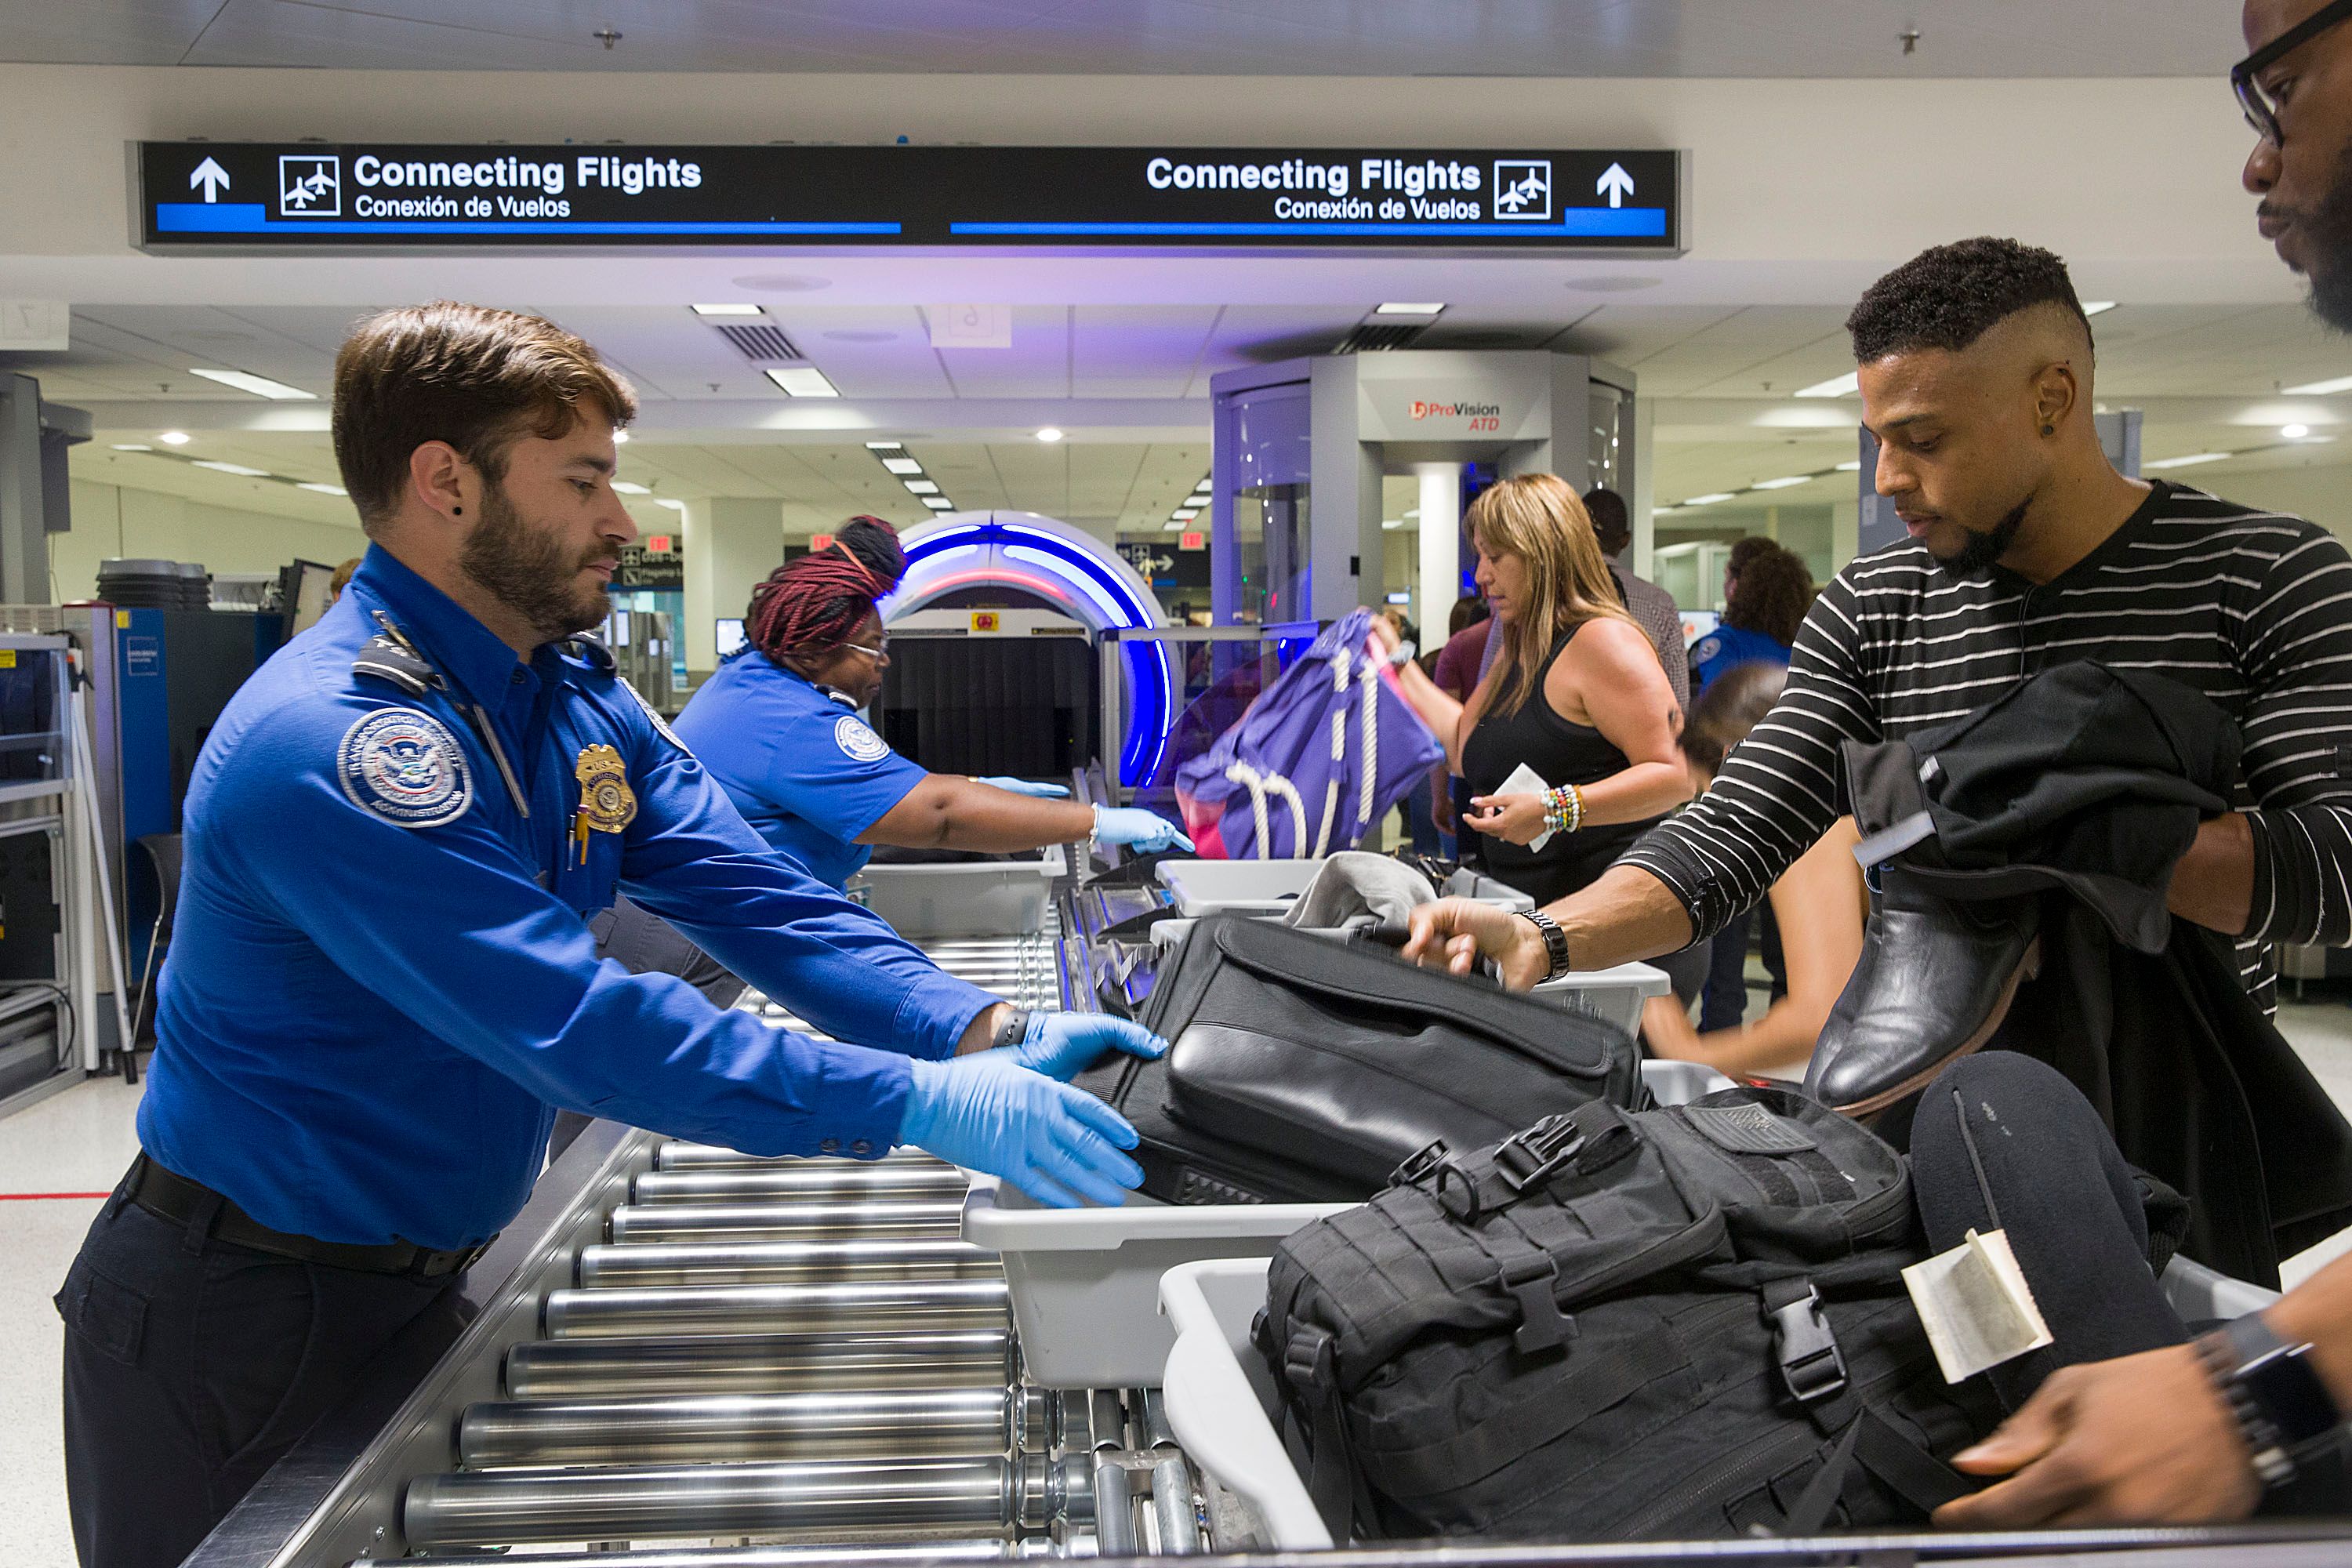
x: 1441, y: 545
x: 731, y: 544
x: 1643, y: 502
x: 1845, y: 533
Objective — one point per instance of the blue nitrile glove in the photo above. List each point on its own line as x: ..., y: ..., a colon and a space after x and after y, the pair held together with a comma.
x: 1060, y: 1045
x: 1026, y: 787
x: 987, y: 1113
x: 1146, y: 831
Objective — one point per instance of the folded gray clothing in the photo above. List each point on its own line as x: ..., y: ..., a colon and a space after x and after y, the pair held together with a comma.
x: 1357, y: 887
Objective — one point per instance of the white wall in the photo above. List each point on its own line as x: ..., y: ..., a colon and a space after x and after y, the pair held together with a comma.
x: 2321, y: 494
x: 115, y: 520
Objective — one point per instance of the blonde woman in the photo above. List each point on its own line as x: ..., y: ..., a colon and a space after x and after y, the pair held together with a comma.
x: 1577, y: 694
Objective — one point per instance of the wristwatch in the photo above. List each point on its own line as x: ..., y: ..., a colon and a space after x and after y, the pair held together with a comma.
x: 2282, y: 1406
x: 1402, y: 655
x: 1013, y: 1031
x: 1555, y: 942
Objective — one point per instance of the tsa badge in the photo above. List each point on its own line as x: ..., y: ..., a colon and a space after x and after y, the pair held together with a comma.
x: 606, y: 802
x: 857, y: 743
x: 405, y: 767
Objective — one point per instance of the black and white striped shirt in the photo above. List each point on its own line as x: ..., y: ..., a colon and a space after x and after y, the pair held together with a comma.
x: 2253, y: 608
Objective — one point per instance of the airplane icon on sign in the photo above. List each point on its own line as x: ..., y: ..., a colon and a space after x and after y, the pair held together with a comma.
x: 311, y: 185
x: 1523, y: 188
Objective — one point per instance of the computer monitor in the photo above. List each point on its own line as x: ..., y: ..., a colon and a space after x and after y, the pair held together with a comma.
x: 731, y: 633
x: 302, y: 593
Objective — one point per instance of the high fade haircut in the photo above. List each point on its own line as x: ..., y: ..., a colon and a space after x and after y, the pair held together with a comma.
x: 1949, y: 296
x: 478, y: 378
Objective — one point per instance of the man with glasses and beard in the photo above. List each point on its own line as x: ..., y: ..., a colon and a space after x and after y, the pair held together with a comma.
x: 382, y: 984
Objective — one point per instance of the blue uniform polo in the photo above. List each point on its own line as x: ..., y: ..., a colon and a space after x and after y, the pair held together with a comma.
x: 1727, y: 647
x: 805, y: 771
x: 381, y: 982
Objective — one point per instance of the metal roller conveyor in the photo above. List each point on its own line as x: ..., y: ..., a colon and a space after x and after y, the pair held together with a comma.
x: 821, y: 1500
x: 929, y: 1304
x: 783, y: 1262
x: 910, y: 1181
x: 927, y: 1551
x: 678, y: 1156
x: 794, y: 1221
x: 861, y: 1424
x: 759, y: 1364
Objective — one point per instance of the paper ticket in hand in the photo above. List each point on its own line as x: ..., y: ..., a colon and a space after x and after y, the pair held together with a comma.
x: 1525, y: 780
x: 1976, y: 1305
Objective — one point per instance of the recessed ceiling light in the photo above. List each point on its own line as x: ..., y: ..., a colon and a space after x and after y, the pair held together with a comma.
x: 1845, y: 385
x: 322, y: 489
x: 631, y: 487
x: 885, y: 446
x: 259, y: 385
x: 803, y: 381
x: 2295, y: 432
x: 902, y: 465
x: 1049, y: 435
x: 1392, y: 524
x: 1393, y: 308
x: 728, y: 308
x: 2097, y: 306
x: 1783, y: 484
x: 1172, y: 526
x: 174, y: 437
x: 922, y: 486
x: 2321, y: 388
x: 133, y: 446
x: 670, y: 501
x: 938, y: 503
x: 1709, y: 499
x: 1852, y: 466
x: 2190, y: 461
x: 239, y: 469
x: 620, y: 437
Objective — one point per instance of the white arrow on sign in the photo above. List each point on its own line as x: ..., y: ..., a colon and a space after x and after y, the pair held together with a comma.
x: 212, y: 176
x: 1615, y: 184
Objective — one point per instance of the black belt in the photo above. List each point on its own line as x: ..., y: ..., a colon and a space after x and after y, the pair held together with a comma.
x: 180, y: 1200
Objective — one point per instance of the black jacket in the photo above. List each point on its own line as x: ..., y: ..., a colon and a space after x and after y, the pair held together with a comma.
x: 2083, y: 787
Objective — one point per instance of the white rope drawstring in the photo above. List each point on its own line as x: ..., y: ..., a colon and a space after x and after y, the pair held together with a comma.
x: 1339, y: 668
x: 1371, y: 761
x: 1260, y: 786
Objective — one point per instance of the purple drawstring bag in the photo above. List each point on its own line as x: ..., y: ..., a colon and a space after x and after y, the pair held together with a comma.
x: 1315, y: 762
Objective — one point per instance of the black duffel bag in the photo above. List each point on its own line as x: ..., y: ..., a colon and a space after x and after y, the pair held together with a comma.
x: 1304, y: 1069
x: 1670, y: 1324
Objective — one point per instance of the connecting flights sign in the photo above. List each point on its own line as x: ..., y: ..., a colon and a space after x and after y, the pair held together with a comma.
x: 312, y: 195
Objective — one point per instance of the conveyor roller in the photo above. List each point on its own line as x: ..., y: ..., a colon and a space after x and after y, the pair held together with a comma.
x: 781, y: 1262
x: 930, y: 1304
x: 793, y: 1221
x: 862, y: 1424
x: 758, y: 1363
x: 884, y: 1181
x: 822, y: 1500
x: 710, y: 1156
x: 919, y: 1553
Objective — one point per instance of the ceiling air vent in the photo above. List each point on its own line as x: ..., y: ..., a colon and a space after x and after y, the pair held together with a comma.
x: 759, y: 342
x: 1369, y: 337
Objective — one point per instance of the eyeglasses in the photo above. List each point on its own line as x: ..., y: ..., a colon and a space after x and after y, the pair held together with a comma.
x: 881, y: 648
x: 2261, y: 111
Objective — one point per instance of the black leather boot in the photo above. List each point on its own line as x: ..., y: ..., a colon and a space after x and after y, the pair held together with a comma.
x: 1935, y: 981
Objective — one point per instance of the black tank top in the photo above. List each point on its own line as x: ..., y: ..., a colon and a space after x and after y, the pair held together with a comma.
x: 1563, y: 753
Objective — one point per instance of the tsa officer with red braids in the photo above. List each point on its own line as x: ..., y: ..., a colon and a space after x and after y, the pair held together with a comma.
x: 777, y: 726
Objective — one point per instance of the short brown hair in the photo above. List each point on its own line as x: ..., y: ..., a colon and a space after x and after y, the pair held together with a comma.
x: 475, y: 377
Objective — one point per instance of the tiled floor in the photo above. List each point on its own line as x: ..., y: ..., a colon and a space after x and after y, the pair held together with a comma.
x: 80, y: 1141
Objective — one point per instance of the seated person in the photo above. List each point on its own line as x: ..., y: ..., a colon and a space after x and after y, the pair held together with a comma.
x: 1819, y: 901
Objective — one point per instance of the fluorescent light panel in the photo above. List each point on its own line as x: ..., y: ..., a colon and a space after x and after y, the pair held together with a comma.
x: 2188, y: 462
x: 1844, y: 386
x: 1783, y: 484
x: 1406, y: 310
x: 239, y: 469
x: 736, y: 308
x: 922, y: 486
x: 132, y: 446
x: 2097, y: 306
x: 803, y: 381
x: 670, y: 501
x: 322, y: 489
x: 1707, y: 499
x: 885, y: 446
x: 1852, y: 466
x: 631, y: 487
x: 902, y: 465
x: 2321, y: 388
x: 174, y: 437
x: 259, y: 385
x: 938, y: 503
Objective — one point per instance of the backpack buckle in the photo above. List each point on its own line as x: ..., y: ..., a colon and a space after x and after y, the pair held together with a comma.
x: 1309, y: 1359
x: 1535, y: 1155
x: 1811, y: 1366
x: 1542, y: 1325
x: 1419, y: 1165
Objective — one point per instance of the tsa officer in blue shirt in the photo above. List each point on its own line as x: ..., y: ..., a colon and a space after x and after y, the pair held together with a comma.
x: 777, y: 726
x: 381, y: 985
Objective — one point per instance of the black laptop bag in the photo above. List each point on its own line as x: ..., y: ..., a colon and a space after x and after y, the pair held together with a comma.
x: 1306, y: 1069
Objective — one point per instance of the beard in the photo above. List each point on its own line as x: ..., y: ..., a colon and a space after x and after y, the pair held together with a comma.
x: 529, y: 572
x: 2327, y: 227
x: 1978, y: 556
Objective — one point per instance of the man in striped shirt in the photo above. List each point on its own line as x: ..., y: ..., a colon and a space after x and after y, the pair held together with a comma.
x: 2026, y: 549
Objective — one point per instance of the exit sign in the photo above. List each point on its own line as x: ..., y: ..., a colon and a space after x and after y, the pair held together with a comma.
x: 658, y: 544
x: 1192, y: 542
x: 820, y: 542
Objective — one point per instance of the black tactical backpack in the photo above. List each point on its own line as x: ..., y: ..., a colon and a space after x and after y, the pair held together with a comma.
x: 1623, y: 1325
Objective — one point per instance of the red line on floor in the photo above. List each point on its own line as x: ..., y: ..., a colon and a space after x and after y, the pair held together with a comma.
x: 37, y: 1197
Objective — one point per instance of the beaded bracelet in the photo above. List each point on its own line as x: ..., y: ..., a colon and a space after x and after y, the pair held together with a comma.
x: 1564, y: 809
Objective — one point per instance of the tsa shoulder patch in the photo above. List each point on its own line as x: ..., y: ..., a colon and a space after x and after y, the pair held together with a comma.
x: 856, y: 742
x: 404, y: 766
x: 1706, y: 650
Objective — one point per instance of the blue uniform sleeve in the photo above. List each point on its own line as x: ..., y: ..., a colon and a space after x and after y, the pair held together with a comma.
x: 448, y: 925
x: 691, y: 858
x: 828, y: 768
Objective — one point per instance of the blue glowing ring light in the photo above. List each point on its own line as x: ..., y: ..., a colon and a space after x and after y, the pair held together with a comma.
x: 1073, y: 571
